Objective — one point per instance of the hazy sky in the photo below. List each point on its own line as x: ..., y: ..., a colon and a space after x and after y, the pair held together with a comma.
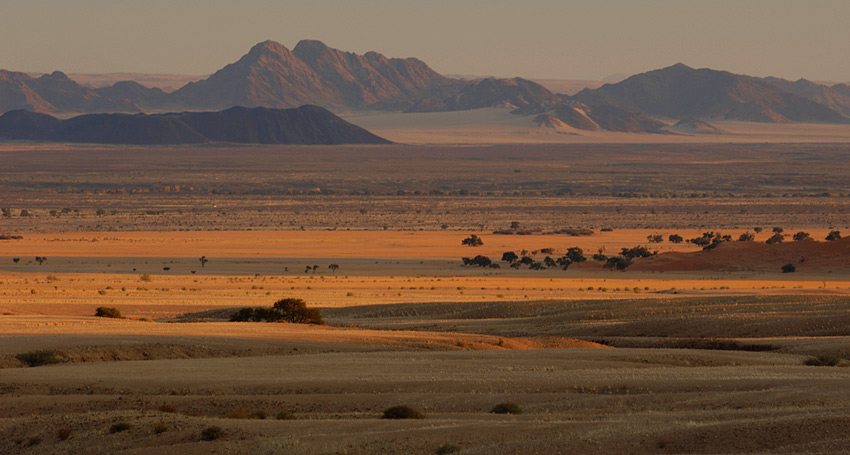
x: 531, y: 38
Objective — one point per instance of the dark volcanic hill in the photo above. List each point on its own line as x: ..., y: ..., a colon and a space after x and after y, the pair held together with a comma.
x: 683, y: 92
x: 490, y: 92
x: 304, y: 125
x: 271, y: 75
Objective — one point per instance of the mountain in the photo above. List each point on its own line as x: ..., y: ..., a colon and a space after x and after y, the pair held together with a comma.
x: 844, y: 89
x: 821, y: 94
x: 594, y: 118
x: 693, y: 126
x: 489, y: 92
x: 55, y: 93
x: 135, y: 94
x: 683, y: 92
x: 304, y: 125
x: 271, y: 75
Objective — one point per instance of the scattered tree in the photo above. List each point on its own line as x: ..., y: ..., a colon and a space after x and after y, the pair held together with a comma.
x: 333, y: 267
x: 108, y: 312
x: 747, y: 237
x: 40, y: 259
x: 675, y: 238
x: 778, y: 230
x: 472, y: 240
x: 775, y: 238
x: 506, y: 408
x: 833, y: 235
x: 575, y: 254
x: 636, y: 252
x: 800, y: 236
x: 203, y: 260
x: 618, y: 263
x: 402, y: 412
x: 654, y: 238
x: 16, y: 260
x: 788, y: 268
x: 509, y: 256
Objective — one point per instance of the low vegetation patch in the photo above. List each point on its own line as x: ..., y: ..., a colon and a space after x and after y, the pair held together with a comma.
x: 119, y: 427
x: 283, y: 415
x: 108, y: 312
x: 446, y: 449
x: 822, y: 361
x: 402, y: 412
x: 506, y: 408
x: 64, y: 434
x: 285, y: 310
x: 39, y: 358
x: 211, y: 433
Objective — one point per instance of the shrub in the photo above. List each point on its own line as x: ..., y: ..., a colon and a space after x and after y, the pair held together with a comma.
x: 108, y: 312
x: 160, y: 428
x: 402, y: 412
x: 506, y: 408
x: 800, y: 236
x: 747, y: 237
x: 472, y: 240
x: 775, y: 238
x: 283, y: 415
x: 145, y: 277
x: 446, y: 449
x: 212, y: 433
x: 788, y: 268
x: 64, y: 434
x: 833, y: 235
x: 167, y: 408
x: 675, y: 238
x: 119, y: 427
x: 289, y: 310
x: 295, y: 310
x: 822, y: 361
x: 39, y: 358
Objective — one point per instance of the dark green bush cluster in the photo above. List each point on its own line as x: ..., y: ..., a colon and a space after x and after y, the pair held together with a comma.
x: 506, y: 408
x: 822, y: 361
x: 212, y: 433
x: 402, y: 412
x: 287, y: 310
x: 39, y: 358
x: 108, y: 312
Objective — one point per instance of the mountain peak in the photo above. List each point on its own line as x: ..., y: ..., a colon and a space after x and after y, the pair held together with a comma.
x: 268, y: 46
x: 310, y: 45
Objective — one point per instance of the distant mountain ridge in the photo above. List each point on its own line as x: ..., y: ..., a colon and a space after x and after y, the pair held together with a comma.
x: 270, y: 75
x: 303, y: 125
x: 681, y: 92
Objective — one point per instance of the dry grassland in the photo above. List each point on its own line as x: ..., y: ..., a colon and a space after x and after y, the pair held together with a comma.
x: 682, y: 353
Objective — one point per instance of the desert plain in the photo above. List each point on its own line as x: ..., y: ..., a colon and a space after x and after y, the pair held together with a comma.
x: 689, y: 351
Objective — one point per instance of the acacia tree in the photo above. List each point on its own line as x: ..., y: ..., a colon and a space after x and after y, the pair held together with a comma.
x: 509, y: 257
x: 833, y: 235
x: 802, y: 236
x: 333, y: 267
x: 472, y: 240
x: 203, y: 260
x: 675, y: 238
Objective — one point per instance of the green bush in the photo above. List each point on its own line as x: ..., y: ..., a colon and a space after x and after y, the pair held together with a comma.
x: 108, y: 312
x: 402, y: 412
x: 283, y: 415
x: 822, y: 361
x: 119, y: 427
x: 212, y: 433
x: 289, y: 310
x: 39, y: 358
x: 506, y: 408
x: 446, y: 449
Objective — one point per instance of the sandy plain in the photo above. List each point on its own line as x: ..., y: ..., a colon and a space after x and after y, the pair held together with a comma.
x: 651, y: 360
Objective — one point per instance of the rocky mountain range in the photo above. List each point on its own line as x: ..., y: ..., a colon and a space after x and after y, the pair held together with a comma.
x: 270, y: 75
x: 303, y: 125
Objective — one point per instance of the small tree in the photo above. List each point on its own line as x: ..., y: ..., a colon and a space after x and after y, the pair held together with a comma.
x: 778, y: 230
x: 203, y: 260
x: 800, y: 236
x: 509, y: 257
x: 575, y: 254
x: 833, y: 235
x: 747, y: 237
x: 675, y: 238
x: 618, y: 263
x: 40, y: 259
x: 775, y: 238
x: 333, y: 267
x: 472, y: 240
x: 788, y: 268
x: 654, y: 238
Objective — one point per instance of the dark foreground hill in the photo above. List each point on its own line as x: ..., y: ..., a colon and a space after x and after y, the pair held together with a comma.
x: 303, y: 125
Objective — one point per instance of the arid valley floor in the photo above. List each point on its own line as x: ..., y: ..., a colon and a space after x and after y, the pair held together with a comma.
x: 684, y: 352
